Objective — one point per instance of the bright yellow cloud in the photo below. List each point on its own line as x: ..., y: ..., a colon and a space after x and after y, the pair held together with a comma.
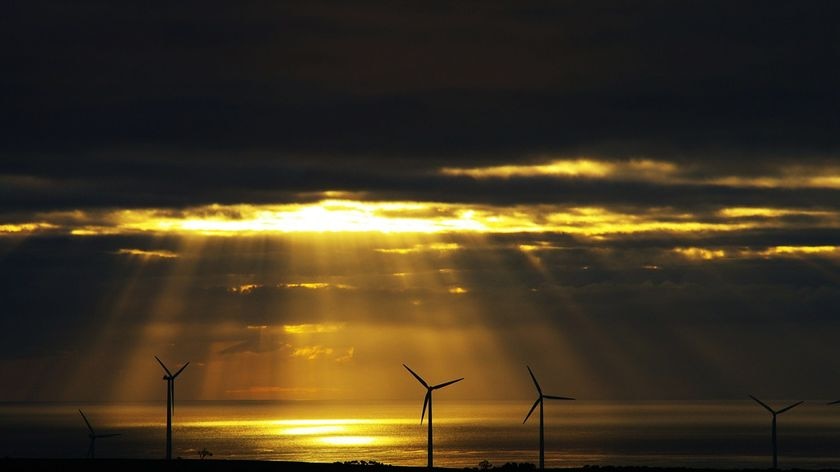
x: 812, y: 177
x: 245, y: 288
x: 661, y: 172
x: 421, y: 248
x: 25, y: 227
x: 328, y: 216
x: 700, y: 253
x: 336, y: 216
x: 794, y: 250
x: 317, y: 352
x: 566, y: 168
x: 316, y: 285
x: 313, y: 328
x: 163, y: 254
x: 312, y: 353
x: 775, y: 251
x: 570, y: 168
x: 746, y: 212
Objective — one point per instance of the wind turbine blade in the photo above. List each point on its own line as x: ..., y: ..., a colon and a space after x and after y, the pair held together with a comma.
x: 164, y: 367
x: 108, y: 435
x: 763, y: 404
x: 419, y: 379
x: 446, y: 383
x: 833, y: 403
x: 425, y: 402
x: 790, y: 407
x: 539, y: 399
x: 172, y: 394
x: 87, y: 422
x: 180, y: 370
x: 557, y: 398
x: 534, y: 378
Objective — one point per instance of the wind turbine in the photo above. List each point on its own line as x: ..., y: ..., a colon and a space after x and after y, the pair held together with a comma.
x: 91, y: 453
x: 774, y: 413
x: 539, y: 402
x: 428, y: 402
x: 170, y: 403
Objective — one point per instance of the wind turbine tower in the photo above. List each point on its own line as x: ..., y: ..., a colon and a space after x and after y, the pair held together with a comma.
x: 428, y: 402
x: 539, y: 401
x: 170, y: 403
x: 773, y: 435
x: 91, y: 453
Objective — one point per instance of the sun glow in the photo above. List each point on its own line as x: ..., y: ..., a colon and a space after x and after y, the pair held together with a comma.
x: 346, y: 216
x: 328, y: 216
x: 309, y: 430
x: 338, y: 432
x: 348, y: 440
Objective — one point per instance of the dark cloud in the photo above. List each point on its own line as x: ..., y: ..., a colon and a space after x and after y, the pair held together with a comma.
x: 206, y: 101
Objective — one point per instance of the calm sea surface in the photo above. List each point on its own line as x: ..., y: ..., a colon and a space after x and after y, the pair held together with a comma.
x: 693, y: 434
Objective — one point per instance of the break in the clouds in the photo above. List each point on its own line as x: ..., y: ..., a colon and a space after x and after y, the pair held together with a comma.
x: 310, y: 194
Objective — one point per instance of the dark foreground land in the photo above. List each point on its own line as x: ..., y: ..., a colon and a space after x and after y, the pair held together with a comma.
x: 154, y: 465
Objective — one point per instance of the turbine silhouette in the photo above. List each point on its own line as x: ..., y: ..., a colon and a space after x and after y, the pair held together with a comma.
x: 91, y: 452
x: 428, y: 402
x: 773, y: 436
x: 539, y: 402
x: 170, y: 403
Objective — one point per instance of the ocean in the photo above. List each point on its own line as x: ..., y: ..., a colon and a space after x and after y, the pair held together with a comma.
x: 732, y: 434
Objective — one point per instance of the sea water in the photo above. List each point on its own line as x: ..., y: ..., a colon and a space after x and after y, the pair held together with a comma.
x: 733, y: 434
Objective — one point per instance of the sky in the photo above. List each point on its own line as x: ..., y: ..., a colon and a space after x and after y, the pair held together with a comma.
x: 640, y: 200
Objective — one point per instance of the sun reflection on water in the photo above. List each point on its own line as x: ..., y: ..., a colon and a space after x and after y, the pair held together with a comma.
x: 350, y: 440
x: 340, y: 432
x: 698, y: 434
x: 310, y: 430
x: 313, y: 433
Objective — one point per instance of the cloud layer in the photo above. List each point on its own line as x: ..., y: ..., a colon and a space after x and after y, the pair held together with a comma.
x: 642, y: 189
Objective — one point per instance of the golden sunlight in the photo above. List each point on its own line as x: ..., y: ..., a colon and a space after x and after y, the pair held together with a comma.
x: 328, y: 216
x: 311, y: 328
x: 319, y: 429
x: 420, y: 248
x: 346, y: 216
x: 348, y: 440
